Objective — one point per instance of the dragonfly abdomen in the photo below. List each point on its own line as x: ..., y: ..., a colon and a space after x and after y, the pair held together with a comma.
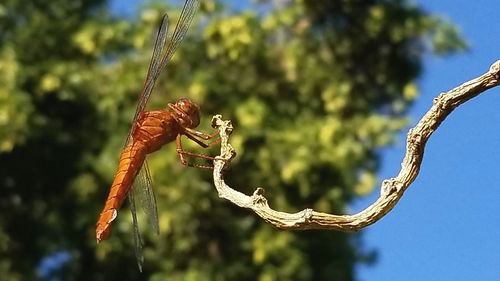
x: 131, y: 161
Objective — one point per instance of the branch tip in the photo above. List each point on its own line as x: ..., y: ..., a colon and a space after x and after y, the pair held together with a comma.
x: 495, y: 68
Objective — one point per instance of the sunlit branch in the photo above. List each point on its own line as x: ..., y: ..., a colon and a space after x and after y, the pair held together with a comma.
x: 391, y: 190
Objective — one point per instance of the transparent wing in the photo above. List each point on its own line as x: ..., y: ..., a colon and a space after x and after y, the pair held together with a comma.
x: 181, y: 28
x: 143, y: 190
x: 138, y: 244
x: 158, y: 64
x: 153, y: 69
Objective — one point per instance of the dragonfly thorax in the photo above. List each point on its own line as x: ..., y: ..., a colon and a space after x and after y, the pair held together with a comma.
x: 186, y: 112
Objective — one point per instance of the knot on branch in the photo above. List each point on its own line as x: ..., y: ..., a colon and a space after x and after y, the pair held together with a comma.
x: 443, y: 103
x: 258, y: 197
x: 307, y: 215
x: 389, y: 186
x: 258, y: 191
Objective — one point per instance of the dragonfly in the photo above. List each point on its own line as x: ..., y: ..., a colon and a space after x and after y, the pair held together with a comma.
x: 151, y: 130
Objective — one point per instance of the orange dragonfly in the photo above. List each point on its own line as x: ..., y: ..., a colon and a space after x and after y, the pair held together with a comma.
x: 150, y: 131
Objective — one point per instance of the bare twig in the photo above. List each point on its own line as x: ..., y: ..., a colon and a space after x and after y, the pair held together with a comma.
x: 392, y: 189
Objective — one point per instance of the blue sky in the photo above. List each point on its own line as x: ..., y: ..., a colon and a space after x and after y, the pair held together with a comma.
x: 445, y: 226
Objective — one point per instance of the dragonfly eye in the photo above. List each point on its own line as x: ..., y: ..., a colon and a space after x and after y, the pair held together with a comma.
x: 188, y: 113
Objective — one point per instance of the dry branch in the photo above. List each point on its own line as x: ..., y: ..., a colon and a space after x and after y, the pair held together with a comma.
x: 391, y: 190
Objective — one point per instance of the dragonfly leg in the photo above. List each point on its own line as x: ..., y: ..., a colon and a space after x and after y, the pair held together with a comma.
x: 194, y: 133
x: 182, y: 154
x: 200, y: 143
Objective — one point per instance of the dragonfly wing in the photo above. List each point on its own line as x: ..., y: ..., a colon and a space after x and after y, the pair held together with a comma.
x: 181, y: 28
x: 143, y: 189
x: 156, y: 57
x: 161, y: 57
x: 138, y: 244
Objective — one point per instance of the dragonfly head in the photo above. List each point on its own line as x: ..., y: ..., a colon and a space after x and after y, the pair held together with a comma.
x: 186, y: 112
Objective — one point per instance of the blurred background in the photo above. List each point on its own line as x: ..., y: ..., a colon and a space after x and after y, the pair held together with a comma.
x: 320, y: 93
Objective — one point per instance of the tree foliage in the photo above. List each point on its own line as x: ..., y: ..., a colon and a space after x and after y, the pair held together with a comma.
x: 314, y: 89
